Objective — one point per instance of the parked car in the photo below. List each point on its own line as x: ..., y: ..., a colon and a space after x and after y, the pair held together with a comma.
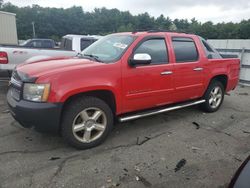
x: 71, y: 45
x: 39, y: 43
x: 241, y: 177
x: 122, y: 76
x: 71, y: 42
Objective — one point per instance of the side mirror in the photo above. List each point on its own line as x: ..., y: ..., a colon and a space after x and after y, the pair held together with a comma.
x: 140, y: 59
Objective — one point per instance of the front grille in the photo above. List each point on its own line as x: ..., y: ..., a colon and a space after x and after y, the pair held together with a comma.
x: 15, y: 75
x: 15, y: 86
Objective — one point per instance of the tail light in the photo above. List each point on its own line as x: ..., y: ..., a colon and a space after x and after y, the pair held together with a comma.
x: 3, y: 58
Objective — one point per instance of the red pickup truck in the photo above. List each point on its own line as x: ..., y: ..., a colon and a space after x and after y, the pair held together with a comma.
x: 123, y: 76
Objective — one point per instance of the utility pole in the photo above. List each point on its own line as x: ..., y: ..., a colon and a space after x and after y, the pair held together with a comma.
x: 34, y: 31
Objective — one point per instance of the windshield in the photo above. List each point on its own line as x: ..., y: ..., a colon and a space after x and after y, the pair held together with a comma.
x: 25, y: 42
x: 109, y: 48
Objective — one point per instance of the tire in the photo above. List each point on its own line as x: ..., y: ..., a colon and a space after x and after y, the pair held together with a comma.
x: 86, y: 122
x: 213, y: 101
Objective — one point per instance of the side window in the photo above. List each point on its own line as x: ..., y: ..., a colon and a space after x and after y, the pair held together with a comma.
x: 85, y: 43
x: 37, y: 44
x: 47, y: 44
x: 156, y: 48
x: 66, y: 44
x: 207, y: 47
x: 211, y: 53
x: 185, y: 49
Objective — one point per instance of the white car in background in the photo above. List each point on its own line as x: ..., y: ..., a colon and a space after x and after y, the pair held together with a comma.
x: 71, y: 45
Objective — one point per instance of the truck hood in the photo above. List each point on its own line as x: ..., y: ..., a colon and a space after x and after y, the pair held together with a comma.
x: 55, y: 66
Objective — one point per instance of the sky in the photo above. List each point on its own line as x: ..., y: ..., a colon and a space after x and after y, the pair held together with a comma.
x: 209, y: 10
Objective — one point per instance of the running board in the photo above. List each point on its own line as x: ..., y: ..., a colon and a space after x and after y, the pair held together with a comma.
x: 159, y: 111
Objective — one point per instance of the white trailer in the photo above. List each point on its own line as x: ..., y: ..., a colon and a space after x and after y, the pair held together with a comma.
x: 8, y: 30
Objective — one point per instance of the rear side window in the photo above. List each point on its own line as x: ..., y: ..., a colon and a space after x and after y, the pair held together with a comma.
x: 156, y: 48
x: 185, y: 49
x: 207, y: 47
x: 211, y: 53
x: 66, y: 44
x: 86, y: 43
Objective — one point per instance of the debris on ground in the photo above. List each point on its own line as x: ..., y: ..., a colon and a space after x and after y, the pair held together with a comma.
x: 140, y: 142
x: 96, y: 171
x: 228, y: 134
x: 137, y: 168
x: 28, y: 138
x: 163, y: 159
x: 237, y: 159
x: 116, y: 184
x: 145, y: 182
x: 180, y: 164
x: 232, y: 116
x: 109, y: 180
x: 247, y: 132
x: 5, y: 111
x: 126, y: 170
x: 54, y: 158
x: 246, y: 94
x: 197, y: 125
x: 195, y: 148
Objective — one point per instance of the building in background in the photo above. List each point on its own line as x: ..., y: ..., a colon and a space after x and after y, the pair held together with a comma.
x: 8, y: 30
x: 239, y: 47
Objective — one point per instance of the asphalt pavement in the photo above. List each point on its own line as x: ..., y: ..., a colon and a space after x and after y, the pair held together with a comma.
x: 183, y: 148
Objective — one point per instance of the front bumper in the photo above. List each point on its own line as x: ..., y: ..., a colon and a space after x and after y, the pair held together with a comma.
x: 44, y: 117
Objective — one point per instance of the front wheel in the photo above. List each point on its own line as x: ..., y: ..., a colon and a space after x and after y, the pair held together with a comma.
x: 214, y: 97
x: 86, y: 122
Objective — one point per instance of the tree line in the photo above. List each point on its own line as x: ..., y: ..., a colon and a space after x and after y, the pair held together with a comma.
x: 56, y: 22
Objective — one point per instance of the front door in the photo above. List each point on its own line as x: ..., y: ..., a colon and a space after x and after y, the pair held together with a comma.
x: 147, y: 86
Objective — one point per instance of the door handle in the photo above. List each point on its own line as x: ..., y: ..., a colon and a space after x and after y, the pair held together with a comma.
x: 198, y: 69
x: 166, y: 73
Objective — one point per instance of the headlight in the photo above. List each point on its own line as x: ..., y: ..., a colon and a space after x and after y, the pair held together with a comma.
x: 36, y: 92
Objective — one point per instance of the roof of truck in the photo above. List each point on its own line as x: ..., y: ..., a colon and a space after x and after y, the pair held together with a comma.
x: 157, y: 32
x: 82, y: 36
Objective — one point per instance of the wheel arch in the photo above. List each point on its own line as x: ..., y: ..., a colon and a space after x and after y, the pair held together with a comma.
x: 106, y: 95
x: 223, y: 78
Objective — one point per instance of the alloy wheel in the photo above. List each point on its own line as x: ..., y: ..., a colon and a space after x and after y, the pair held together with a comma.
x: 215, y: 97
x: 89, y: 125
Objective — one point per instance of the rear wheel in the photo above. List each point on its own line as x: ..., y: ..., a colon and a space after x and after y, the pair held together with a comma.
x: 214, y: 97
x: 86, y: 122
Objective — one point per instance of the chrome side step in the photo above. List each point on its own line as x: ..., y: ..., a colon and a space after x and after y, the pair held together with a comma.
x: 154, y: 112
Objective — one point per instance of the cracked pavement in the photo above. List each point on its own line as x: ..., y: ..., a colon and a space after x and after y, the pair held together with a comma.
x: 206, y: 149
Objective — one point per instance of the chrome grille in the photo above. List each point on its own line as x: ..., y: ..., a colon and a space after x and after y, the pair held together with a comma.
x: 15, y: 75
x: 15, y: 86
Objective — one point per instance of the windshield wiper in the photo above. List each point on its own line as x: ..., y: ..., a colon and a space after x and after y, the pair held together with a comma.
x: 95, y: 57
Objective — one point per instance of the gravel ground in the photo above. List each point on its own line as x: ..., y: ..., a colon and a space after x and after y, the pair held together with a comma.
x: 184, y: 148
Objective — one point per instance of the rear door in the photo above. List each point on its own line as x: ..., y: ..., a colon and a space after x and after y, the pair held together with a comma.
x: 188, y: 69
x: 148, y: 86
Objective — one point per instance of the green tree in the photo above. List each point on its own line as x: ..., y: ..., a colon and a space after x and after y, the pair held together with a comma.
x: 244, y: 29
x: 56, y: 22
